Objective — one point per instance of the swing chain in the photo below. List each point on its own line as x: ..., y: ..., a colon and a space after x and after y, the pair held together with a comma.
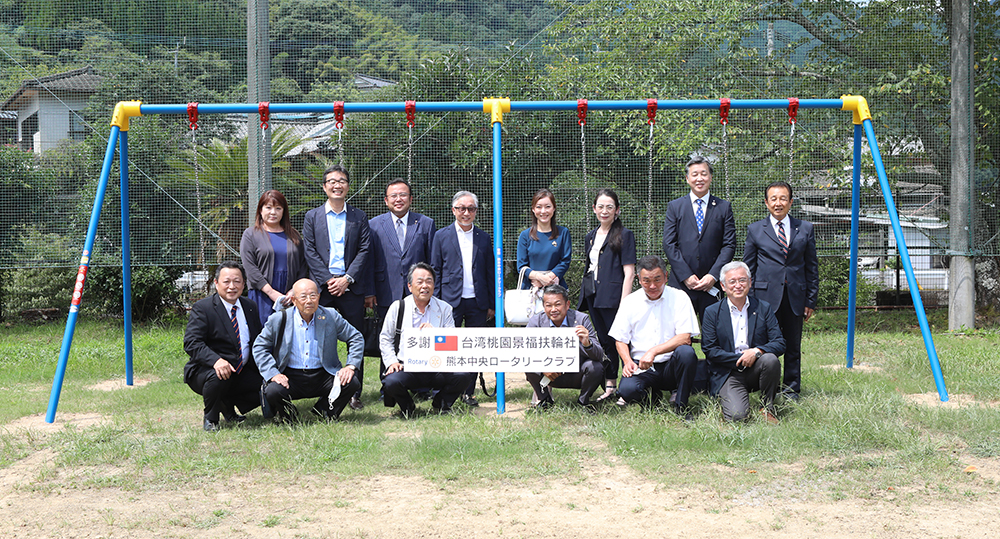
x: 649, y: 191
x: 338, y: 114
x: 793, y: 110
x: 409, y: 157
x: 724, y: 105
x: 197, y: 186
x: 583, y: 161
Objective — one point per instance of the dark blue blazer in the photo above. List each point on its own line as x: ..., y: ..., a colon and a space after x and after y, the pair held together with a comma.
x: 357, y: 246
x: 719, y: 344
x: 610, y: 275
x: 691, y: 253
x: 388, y: 282
x: 446, y: 259
x: 774, y: 274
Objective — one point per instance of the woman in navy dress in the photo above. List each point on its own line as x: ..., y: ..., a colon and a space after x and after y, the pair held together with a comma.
x: 610, y: 270
x: 272, y: 254
x: 545, y: 248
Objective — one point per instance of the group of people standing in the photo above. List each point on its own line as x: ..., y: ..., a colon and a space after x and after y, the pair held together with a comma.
x: 308, y: 291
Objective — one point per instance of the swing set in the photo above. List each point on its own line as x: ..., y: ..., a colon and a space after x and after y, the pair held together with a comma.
x: 496, y: 107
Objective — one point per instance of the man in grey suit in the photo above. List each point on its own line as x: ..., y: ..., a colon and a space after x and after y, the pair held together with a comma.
x: 699, y: 237
x: 337, y: 250
x: 781, y: 254
x: 555, y: 302
x: 400, y: 238
x: 306, y: 364
x: 742, y: 341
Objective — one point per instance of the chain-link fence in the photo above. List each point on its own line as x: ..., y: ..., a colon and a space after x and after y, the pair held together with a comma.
x: 65, y: 65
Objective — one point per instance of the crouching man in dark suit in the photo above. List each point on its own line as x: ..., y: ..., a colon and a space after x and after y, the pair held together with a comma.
x: 218, y: 337
x: 742, y: 341
x: 555, y: 302
x: 306, y: 364
x: 418, y: 310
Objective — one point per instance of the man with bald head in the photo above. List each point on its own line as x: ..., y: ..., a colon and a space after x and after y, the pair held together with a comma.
x: 305, y: 363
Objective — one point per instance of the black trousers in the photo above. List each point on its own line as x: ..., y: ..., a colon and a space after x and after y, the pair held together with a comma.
x: 397, y: 387
x: 306, y: 383
x: 352, y: 307
x: 676, y: 373
x: 791, y: 330
x: 221, y: 396
x: 587, y: 381
x: 469, y: 314
x: 602, y: 319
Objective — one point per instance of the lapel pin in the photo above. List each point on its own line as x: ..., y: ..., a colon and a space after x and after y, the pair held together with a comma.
x: 554, y: 244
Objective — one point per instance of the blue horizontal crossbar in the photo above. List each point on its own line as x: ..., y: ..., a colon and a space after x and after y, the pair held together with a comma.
x: 446, y: 106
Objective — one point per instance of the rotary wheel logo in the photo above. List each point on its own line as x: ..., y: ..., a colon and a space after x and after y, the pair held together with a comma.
x: 435, y: 361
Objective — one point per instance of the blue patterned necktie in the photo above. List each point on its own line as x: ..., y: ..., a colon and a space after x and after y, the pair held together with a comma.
x: 236, y: 328
x: 699, y: 214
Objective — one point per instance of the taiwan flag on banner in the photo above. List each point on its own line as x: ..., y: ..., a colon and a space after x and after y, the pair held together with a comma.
x: 446, y: 344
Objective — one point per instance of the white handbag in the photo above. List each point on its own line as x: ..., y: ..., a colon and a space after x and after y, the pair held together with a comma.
x: 520, y: 305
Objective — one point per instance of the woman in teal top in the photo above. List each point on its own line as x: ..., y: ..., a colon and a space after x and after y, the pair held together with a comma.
x: 545, y: 248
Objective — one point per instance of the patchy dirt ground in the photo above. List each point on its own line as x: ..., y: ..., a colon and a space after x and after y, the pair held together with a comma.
x: 610, y: 501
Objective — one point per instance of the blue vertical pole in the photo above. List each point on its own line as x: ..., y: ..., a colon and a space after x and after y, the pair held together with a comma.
x: 126, y: 255
x: 852, y: 299
x: 81, y: 276
x: 498, y: 251
x: 904, y: 256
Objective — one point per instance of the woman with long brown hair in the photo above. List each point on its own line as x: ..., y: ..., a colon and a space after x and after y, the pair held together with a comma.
x: 272, y: 254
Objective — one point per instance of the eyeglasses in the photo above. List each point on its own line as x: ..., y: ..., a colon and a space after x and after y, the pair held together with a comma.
x: 335, y: 182
x: 307, y: 297
x: 741, y: 280
x: 397, y: 196
x: 602, y: 207
x: 465, y: 209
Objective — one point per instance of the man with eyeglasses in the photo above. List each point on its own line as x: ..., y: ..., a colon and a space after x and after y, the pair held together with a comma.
x: 742, y: 341
x: 699, y: 236
x: 400, y: 239
x: 781, y: 253
x: 305, y: 363
x: 337, y: 250
x: 653, y: 330
x: 462, y: 257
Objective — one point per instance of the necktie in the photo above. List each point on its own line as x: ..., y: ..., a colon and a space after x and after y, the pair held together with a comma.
x: 699, y: 214
x: 236, y: 328
x: 782, y: 239
x: 400, y: 233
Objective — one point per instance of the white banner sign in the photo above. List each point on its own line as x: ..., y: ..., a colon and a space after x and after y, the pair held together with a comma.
x: 491, y: 350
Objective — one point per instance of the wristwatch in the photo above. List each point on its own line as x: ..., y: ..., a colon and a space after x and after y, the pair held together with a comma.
x: 350, y: 280
x: 758, y: 354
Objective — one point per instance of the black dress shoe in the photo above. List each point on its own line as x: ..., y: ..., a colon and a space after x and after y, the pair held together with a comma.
x: 469, y: 400
x: 356, y: 403
x: 211, y: 426
x: 236, y: 419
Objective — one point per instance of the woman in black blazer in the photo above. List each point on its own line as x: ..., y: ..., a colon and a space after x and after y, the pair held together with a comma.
x: 610, y: 257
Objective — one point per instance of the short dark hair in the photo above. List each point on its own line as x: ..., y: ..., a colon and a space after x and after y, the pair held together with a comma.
x: 337, y: 168
x: 229, y: 264
x: 778, y: 184
x: 423, y: 266
x: 397, y: 181
x: 650, y: 263
x: 697, y: 160
x: 556, y: 289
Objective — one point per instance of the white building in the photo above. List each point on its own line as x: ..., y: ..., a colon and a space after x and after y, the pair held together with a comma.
x: 48, y: 108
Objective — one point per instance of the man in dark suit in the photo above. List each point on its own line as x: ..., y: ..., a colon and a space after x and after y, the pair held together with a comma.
x: 400, y: 239
x: 699, y: 237
x: 781, y: 254
x: 462, y: 258
x: 218, y: 337
x: 337, y: 249
x: 555, y: 302
x: 742, y: 341
x: 306, y: 364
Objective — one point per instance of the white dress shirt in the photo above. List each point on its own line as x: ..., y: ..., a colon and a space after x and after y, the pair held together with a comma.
x: 241, y: 319
x: 466, y: 246
x: 740, y: 319
x: 646, y: 323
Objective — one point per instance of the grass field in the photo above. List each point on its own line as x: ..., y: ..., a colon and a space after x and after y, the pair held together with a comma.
x: 856, y: 435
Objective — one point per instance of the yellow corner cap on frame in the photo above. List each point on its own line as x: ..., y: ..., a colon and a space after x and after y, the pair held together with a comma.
x: 859, y: 106
x: 123, y: 111
x: 496, y: 106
